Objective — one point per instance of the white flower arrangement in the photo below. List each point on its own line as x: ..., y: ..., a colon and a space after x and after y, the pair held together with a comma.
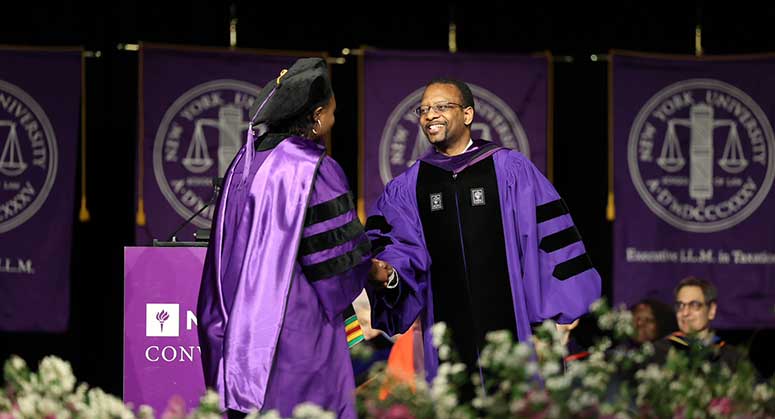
x: 517, y: 380
x: 51, y: 393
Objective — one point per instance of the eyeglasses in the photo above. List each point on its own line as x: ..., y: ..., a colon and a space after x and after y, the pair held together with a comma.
x: 693, y: 305
x: 438, y: 108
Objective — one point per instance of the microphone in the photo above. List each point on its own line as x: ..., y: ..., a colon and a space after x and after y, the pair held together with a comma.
x: 217, y: 184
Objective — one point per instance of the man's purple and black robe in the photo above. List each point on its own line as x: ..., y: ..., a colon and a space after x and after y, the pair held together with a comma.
x: 287, y: 257
x: 481, y: 241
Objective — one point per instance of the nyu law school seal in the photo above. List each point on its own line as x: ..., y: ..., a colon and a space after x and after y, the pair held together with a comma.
x: 403, y: 142
x: 197, y: 139
x: 700, y: 155
x: 28, y: 156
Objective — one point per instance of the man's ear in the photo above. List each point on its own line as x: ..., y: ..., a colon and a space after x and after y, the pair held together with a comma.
x: 712, y: 311
x: 468, y: 116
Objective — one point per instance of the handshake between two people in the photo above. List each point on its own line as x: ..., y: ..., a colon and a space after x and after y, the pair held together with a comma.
x: 381, y: 273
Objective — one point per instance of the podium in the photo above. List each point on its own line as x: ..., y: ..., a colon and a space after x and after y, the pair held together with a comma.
x: 162, y: 358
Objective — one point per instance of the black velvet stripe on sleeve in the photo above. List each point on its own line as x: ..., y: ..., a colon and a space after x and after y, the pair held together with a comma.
x: 337, y: 265
x: 378, y: 222
x: 329, y: 209
x: 560, y: 239
x: 549, y: 210
x: 572, y: 267
x: 331, y: 238
x: 378, y: 245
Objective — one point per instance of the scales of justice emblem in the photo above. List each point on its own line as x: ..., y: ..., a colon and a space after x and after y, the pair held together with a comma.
x: 715, y: 161
x: 403, y: 142
x: 198, y: 137
x: 28, y: 156
x: 11, y: 161
x: 230, y: 127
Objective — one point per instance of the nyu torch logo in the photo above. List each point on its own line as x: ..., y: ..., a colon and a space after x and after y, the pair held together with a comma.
x: 162, y: 320
x: 700, y: 155
x: 162, y: 317
x: 28, y: 156
x: 197, y: 139
x: 403, y: 142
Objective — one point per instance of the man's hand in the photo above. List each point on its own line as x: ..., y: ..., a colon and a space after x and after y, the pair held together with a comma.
x: 362, y: 309
x: 565, y: 329
x: 380, y: 271
x: 564, y: 332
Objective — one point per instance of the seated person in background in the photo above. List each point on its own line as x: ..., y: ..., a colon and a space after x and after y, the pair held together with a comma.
x: 653, y: 320
x: 695, y: 308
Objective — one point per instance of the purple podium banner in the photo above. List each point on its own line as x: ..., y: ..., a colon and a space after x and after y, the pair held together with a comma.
x: 194, y: 105
x: 511, y: 94
x: 40, y: 94
x: 694, y: 166
x: 162, y: 358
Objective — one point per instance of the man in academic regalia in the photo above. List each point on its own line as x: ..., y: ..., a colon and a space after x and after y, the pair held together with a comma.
x: 478, y: 238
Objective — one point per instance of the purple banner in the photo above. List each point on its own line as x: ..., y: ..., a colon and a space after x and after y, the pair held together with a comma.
x: 510, y: 93
x: 195, y: 105
x: 694, y: 166
x: 39, y: 118
x: 162, y: 358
